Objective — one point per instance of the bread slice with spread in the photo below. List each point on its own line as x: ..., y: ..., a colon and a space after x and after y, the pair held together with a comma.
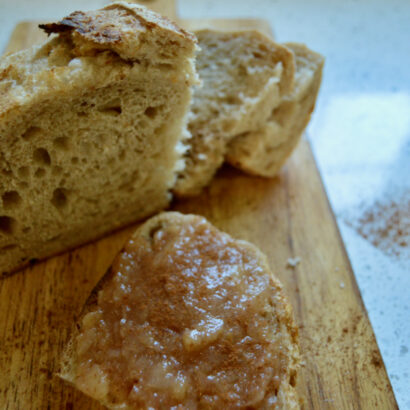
x: 186, y: 317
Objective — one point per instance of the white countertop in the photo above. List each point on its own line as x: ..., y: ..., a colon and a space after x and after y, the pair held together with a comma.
x: 360, y: 134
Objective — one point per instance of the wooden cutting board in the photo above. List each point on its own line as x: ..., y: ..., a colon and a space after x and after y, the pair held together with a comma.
x: 287, y: 217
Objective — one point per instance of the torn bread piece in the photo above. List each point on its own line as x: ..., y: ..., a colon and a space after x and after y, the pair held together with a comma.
x: 186, y: 317
x: 245, y: 76
x: 92, y: 125
x: 265, y: 151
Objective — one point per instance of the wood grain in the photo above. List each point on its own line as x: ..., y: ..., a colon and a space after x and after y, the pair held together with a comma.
x: 288, y: 216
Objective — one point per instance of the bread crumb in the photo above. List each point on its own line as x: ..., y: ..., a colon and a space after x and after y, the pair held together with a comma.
x: 293, y: 262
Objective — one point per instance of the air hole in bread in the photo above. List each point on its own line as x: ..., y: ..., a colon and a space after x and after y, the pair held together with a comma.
x: 114, y: 111
x: 82, y: 114
x: 40, y: 172
x: 8, y: 225
x: 57, y: 170
x: 74, y: 160
x: 122, y: 155
x: 7, y: 172
x: 59, y: 199
x: 41, y: 156
x: 31, y: 132
x: 8, y: 247
x: 23, y: 185
x: 257, y: 55
x: 11, y: 199
x: 151, y: 112
x: 112, y: 108
x: 292, y: 379
x: 62, y: 143
x: 23, y: 172
x: 26, y: 229
x: 232, y: 100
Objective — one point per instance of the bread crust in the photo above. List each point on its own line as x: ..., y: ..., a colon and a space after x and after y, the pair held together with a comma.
x: 287, y: 396
x: 109, y: 31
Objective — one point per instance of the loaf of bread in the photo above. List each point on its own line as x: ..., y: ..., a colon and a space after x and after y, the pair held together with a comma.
x: 186, y: 317
x: 92, y: 125
x: 245, y: 76
x: 263, y: 152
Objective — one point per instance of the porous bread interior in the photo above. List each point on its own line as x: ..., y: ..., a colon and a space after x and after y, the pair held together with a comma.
x: 244, y: 75
x: 282, y: 313
x: 235, y: 69
x: 88, y: 141
x: 263, y: 152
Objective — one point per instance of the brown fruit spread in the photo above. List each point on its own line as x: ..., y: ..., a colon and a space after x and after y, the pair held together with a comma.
x: 186, y: 320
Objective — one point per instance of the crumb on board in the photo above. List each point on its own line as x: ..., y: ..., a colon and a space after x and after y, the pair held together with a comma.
x: 293, y: 262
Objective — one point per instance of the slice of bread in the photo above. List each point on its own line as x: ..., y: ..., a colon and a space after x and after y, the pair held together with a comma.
x: 91, y: 128
x: 189, y: 317
x: 245, y: 75
x: 264, y: 152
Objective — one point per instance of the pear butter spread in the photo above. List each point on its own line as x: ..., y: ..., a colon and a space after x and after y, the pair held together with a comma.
x: 187, y: 318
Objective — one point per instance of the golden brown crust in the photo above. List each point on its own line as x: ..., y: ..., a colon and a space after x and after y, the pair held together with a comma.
x: 96, y: 26
x: 152, y: 19
x: 115, y: 26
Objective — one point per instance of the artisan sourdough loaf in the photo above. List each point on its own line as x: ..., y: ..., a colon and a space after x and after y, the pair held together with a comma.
x: 245, y: 76
x: 186, y: 317
x: 92, y: 125
x: 263, y: 152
